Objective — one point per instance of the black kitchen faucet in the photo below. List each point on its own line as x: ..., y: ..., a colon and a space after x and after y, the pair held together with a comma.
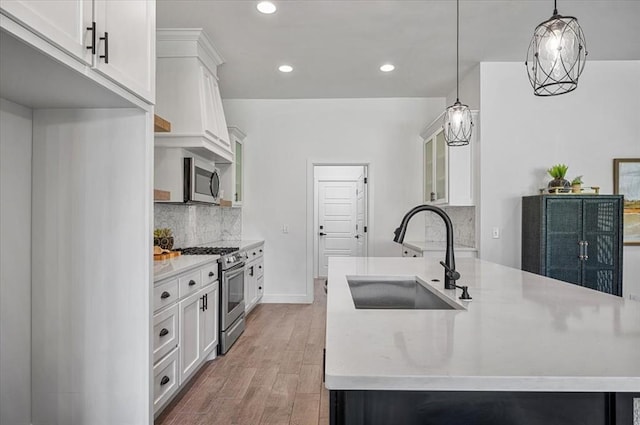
x: 449, y: 263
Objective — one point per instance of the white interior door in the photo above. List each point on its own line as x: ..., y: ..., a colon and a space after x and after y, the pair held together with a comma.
x: 336, y: 222
x: 361, y: 217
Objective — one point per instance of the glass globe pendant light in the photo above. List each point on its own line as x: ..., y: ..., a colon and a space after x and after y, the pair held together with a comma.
x: 556, y: 55
x: 457, y: 123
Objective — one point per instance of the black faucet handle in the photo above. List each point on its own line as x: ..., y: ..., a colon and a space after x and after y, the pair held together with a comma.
x: 451, y: 273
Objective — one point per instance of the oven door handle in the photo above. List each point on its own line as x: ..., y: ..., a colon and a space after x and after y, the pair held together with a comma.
x: 233, y: 272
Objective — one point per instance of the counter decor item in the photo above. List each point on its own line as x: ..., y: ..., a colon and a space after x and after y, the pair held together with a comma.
x: 559, y: 183
x: 163, y: 237
x: 576, y: 185
x: 626, y: 181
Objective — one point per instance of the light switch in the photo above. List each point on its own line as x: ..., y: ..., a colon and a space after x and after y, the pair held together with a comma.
x: 285, y: 228
x: 495, y: 233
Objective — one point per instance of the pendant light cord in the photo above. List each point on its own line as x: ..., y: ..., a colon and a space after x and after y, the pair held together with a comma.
x: 458, y: 51
x: 555, y: 7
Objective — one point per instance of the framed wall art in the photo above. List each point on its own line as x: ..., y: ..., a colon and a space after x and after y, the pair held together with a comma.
x: 626, y: 181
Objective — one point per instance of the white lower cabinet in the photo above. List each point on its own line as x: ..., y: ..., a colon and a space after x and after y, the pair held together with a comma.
x: 185, y: 328
x: 254, y: 278
x: 198, y: 329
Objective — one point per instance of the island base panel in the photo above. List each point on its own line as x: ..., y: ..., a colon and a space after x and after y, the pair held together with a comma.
x: 481, y: 408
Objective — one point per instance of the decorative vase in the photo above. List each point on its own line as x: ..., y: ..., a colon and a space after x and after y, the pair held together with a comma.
x: 559, y: 186
x: 164, y: 243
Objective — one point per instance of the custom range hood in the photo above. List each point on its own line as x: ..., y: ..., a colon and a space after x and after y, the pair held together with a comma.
x: 187, y: 94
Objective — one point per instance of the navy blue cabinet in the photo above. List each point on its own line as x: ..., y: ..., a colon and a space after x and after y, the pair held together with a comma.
x: 574, y: 238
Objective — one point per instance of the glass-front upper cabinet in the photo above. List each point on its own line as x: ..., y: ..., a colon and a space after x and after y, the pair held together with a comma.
x: 435, y: 168
x: 450, y: 173
x: 239, y: 168
x: 233, y: 173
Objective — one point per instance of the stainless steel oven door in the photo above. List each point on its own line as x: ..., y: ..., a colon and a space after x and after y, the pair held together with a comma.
x: 202, y: 182
x: 232, y: 295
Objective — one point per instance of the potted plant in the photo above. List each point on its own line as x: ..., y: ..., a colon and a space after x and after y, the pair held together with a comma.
x: 576, y: 185
x: 163, y: 238
x: 559, y: 183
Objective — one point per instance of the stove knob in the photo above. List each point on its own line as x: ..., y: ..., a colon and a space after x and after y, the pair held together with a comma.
x: 228, y: 260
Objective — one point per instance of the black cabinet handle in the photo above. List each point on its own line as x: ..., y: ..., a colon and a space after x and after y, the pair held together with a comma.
x: 406, y: 252
x: 251, y: 271
x: 261, y: 251
x: 206, y: 301
x: 202, y: 308
x: 322, y: 234
x: 164, y: 295
x: 165, y: 380
x: 260, y: 288
x: 211, y: 274
x: 164, y: 332
x: 106, y: 47
x: 192, y: 282
x: 260, y: 267
x: 254, y: 253
x: 92, y: 28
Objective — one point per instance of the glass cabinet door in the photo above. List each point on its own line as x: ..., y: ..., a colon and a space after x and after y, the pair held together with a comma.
x: 429, y: 194
x: 441, y: 167
x: 238, y: 176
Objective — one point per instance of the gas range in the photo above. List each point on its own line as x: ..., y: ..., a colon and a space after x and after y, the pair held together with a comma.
x: 208, y: 250
x: 229, y: 256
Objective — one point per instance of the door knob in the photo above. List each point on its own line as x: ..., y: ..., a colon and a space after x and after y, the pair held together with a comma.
x: 322, y: 234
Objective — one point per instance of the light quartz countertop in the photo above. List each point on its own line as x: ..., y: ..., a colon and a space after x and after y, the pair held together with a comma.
x: 435, y: 246
x: 521, y: 332
x: 168, y: 268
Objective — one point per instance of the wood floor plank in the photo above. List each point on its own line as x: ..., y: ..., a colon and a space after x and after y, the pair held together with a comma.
x: 238, y: 383
x: 305, y: 409
x: 310, y: 378
x: 291, y: 361
x: 280, y: 401
x: 324, y: 402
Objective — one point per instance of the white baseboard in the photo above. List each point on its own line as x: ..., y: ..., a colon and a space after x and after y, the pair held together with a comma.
x: 286, y: 299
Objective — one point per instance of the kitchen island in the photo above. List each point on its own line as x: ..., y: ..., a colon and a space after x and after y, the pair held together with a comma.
x: 526, y: 350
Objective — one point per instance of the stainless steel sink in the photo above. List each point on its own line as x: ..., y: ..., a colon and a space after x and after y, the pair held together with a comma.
x: 396, y: 293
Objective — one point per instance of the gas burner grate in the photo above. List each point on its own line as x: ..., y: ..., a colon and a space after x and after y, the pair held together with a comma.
x: 207, y: 250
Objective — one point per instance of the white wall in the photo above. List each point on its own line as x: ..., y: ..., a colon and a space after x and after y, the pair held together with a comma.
x: 283, y: 135
x: 15, y: 263
x: 523, y: 135
x: 469, y: 89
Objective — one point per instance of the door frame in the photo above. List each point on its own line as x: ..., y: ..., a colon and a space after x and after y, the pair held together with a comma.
x: 312, y: 234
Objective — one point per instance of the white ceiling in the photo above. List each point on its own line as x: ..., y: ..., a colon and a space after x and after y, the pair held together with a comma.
x: 336, y: 47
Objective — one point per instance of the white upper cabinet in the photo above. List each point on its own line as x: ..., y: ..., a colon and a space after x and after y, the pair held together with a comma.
x: 188, y: 94
x: 231, y: 175
x: 126, y: 44
x: 115, y: 38
x: 67, y: 24
x: 449, y: 172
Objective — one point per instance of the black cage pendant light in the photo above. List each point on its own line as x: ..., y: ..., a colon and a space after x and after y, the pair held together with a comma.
x: 556, y: 55
x: 457, y: 122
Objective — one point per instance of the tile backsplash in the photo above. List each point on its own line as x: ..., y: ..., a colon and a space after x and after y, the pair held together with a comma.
x: 464, y: 226
x: 198, y: 224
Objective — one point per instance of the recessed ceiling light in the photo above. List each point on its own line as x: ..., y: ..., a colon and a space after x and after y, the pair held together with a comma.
x: 266, y: 7
x: 387, y: 67
x: 285, y: 68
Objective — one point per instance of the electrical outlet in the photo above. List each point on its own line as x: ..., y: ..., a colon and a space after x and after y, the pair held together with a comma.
x: 634, y: 297
x: 495, y: 233
x: 285, y: 228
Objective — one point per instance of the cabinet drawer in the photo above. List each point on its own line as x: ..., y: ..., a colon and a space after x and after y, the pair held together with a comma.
x: 164, y: 294
x: 209, y: 274
x: 165, y: 380
x: 165, y: 332
x: 189, y: 283
x: 260, y: 287
x: 259, y: 267
x: 255, y: 253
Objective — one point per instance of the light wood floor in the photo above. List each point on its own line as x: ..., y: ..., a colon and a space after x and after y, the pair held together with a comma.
x: 272, y: 375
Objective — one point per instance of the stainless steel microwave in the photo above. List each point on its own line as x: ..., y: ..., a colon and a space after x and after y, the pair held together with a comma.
x: 201, y: 181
